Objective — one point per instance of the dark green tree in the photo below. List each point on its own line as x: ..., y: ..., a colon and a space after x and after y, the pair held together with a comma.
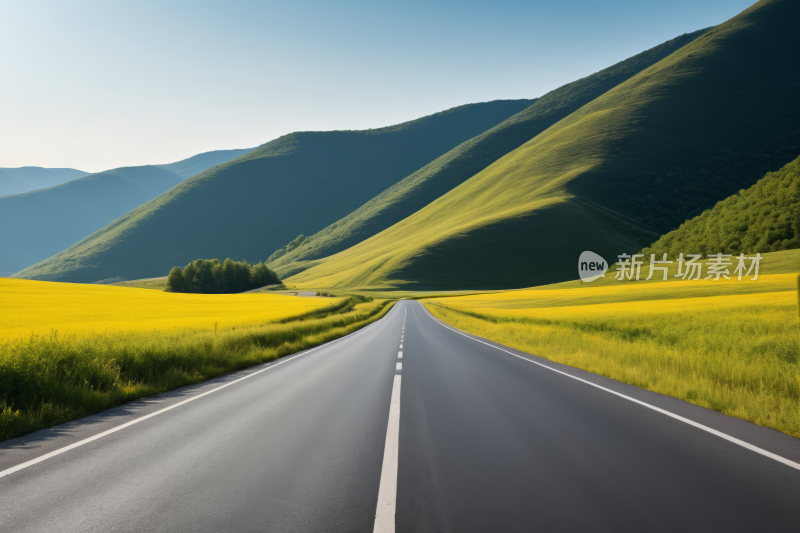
x: 189, y: 282
x: 261, y: 275
x: 175, y: 280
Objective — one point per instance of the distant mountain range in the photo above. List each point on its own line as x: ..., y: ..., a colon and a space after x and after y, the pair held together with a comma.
x: 251, y: 206
x: 24, y: 179
x: 37, y: 224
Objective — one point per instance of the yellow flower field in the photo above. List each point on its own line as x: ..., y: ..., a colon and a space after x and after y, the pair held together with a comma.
x: 524, y: 300
x: 40, y: 307
x: 69, y: 350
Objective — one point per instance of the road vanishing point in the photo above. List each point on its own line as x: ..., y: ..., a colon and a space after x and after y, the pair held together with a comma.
x: 405, y: 425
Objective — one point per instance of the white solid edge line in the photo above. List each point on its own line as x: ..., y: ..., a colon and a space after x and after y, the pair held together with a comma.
x: 713, y: 431
x: 387, y: 493
x: 59, y: 451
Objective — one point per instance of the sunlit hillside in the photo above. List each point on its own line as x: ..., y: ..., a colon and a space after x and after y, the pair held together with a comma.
x: 665, y: 145
x: 461, y: 163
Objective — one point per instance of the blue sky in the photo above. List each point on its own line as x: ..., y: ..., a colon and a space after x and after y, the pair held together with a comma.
x: 97, y: 85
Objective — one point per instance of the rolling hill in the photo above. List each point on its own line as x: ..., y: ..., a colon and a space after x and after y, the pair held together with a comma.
x: 40, y: 223
x: 24, y: 179
x: 464, y: 161
x: 249, y: 207
x: 655, y: 150
x: 764, y: 218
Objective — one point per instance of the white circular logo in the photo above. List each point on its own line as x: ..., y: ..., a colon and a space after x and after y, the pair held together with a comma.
x: 591, y: 266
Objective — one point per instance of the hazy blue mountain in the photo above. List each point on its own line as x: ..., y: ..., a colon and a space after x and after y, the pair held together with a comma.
x: 36, y: 224
x: 200, y: 162
x: 24, y: 179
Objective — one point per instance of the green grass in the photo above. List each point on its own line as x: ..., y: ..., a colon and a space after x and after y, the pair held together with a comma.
x: 738, y: 354
x: 464, y: 161
x: 657, y: 149
x: 249, y: 207
x: 51, y: 379
x: 148, y: 283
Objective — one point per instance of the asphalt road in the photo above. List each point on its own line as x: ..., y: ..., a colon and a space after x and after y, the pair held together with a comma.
x: 477, y: 439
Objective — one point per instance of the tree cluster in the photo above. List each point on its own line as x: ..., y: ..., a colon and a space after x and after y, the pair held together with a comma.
x: 215, y: 277
x: 763, y: 218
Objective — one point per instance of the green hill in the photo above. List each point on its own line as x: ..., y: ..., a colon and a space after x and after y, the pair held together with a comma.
x: 251, y: 206
x: 763, y: 218
x: 461, y: 163
x: 660, y: 147
x: 37, y: 224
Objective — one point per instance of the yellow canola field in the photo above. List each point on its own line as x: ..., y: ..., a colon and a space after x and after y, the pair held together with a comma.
x: 667, y: 297
x: 39, y: 307
x: 709, y: 304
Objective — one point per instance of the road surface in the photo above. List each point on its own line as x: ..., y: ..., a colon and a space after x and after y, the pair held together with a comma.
x: 405, y: 424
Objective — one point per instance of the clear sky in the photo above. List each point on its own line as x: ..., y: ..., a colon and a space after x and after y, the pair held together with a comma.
x: 95, y: 85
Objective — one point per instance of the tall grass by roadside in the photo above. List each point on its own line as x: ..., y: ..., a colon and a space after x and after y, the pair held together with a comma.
x: 739, y: 355
x: 53, y: 378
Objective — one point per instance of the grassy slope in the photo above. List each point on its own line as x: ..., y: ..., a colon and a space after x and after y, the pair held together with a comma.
x: 731, y: 345
x: 461, y: 163
x: 763, y: 218
x: 40, y: 223
x: 249, y: 207
x: 671, y: 141
x: 149, y: 283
